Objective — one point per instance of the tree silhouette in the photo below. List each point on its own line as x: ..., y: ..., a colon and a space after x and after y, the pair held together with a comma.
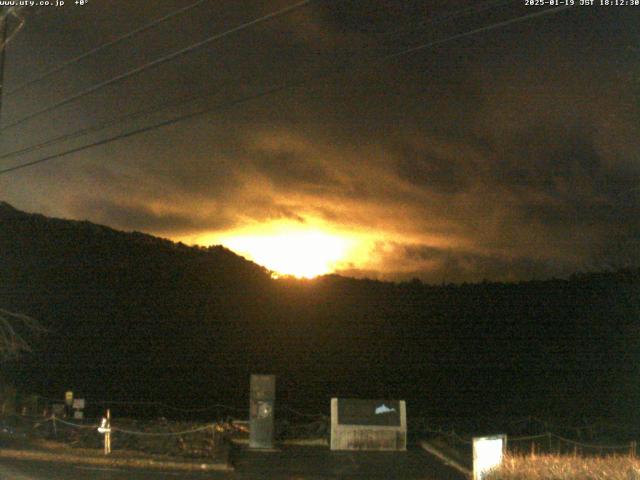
x: 15, y: 328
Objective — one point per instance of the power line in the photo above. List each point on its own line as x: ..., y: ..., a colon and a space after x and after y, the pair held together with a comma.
x: 62, y: 138
x: 97, y: 49
x: 156, y: 62
x: 6, y: 38
x: 272, y: 91
x: 277, y: 89
x: 109, y: 123
x: 4, y: 22
x: 155, y: 125
x: 15, y: 12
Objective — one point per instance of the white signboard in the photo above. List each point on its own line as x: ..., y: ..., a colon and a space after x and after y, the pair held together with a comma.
x: 487, y: 454
x: 78, y: 403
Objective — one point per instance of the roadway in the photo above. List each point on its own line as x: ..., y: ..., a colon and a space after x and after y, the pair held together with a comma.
x: 299, y: 463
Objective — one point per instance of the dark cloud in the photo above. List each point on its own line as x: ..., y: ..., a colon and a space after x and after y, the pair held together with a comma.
x: 288, y: 169
x: 508, y: 154
x: 143, y: 217
x: 376, y: 16
x: 266, y: 209
x: 447, y: 265
x: 441, y: 172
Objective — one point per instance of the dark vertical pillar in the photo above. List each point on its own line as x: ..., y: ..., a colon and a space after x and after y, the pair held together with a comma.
x: 261, y: 415
x: 4, y: 15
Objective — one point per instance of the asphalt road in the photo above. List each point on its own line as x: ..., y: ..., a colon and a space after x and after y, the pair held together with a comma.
x: 33, y: 470
x: 294, y: 463
x: 321, y: 463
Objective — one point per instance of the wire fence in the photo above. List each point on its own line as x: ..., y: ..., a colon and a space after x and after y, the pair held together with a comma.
x: 526, y: 435
x: 179, y: 439
x: 538, y: 444
x: 551, y: 443
x: 39, y: 417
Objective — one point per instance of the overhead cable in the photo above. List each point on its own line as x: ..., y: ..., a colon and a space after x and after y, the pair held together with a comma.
x: 99, y: 48
x: 159, y: 61
x: 274, y: 90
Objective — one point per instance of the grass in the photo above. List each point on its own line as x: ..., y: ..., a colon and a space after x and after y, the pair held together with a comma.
x: 566, y: 467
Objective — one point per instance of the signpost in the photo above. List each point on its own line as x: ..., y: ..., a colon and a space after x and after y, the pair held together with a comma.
x: 78, y: 408
x: 68, y: 403
x: 105, y: 429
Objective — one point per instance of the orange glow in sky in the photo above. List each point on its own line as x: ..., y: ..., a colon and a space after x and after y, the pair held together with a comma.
x: 295, y: 249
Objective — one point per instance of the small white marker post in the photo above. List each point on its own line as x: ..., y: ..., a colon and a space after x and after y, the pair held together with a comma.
x: 105, y: 428
x: 487, y: 454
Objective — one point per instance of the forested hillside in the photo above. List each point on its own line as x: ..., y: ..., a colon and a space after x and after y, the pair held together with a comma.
x: 136, y: 317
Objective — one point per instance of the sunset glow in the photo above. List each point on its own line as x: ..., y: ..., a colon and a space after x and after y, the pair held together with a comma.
x: 291, y: 249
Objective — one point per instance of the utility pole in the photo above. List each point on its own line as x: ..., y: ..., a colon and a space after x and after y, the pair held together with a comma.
x: 3, y: 45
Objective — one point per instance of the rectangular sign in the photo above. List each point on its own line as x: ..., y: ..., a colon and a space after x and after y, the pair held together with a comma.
x: 487, y: 454
x: 363, y: 424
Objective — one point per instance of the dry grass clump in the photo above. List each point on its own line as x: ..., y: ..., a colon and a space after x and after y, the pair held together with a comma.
x: 565, y: 467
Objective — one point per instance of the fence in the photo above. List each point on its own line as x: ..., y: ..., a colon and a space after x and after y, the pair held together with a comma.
x: 12, y: 401
x: 147, y: 433
x: 591, y: 438
x: 551, y: 443
x: 544, y: 443
x: 177, y: 438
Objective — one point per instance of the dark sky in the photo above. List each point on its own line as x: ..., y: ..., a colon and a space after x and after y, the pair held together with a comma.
x: 507, y: 154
